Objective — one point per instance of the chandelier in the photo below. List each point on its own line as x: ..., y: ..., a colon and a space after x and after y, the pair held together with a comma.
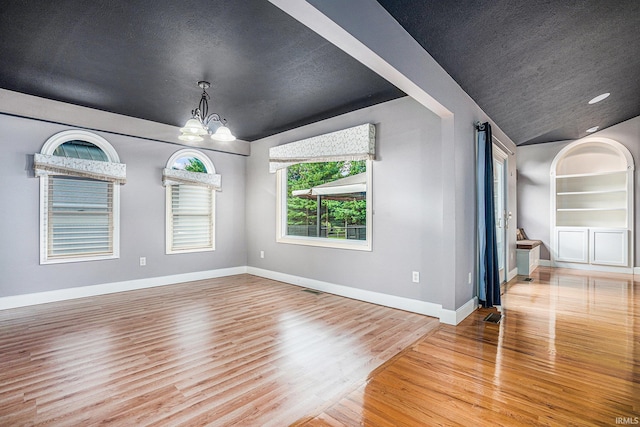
x: 198, y: 124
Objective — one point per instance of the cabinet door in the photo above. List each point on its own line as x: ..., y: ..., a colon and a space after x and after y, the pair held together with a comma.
x: 609, y: 246
x: 572, y: 244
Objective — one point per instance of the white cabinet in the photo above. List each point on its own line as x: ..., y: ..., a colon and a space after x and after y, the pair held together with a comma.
x: 572, y: 244
x: 592, y: 205
x: 599, y: 246
x: 609, y: 247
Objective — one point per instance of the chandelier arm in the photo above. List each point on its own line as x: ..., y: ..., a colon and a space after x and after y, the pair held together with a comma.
x: 214, y: 117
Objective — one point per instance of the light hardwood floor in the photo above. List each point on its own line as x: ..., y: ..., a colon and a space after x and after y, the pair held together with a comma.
x: 249, y: 351
x: 566, y: 353
x: 240, y: 350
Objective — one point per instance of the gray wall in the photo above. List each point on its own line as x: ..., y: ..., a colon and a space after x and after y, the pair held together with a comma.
x: 407, y: 203
x: 443, y: 250
x: 534, y: 167
x: 142, y: 215
x: 410, y: 194
x: 420, y: 76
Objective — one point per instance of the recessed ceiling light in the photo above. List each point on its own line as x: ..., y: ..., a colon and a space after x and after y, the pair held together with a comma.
x: 593, y: 129
x: 599, y: 98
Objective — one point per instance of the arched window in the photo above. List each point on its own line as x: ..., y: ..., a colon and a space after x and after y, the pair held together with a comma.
x: 80, y: 176
x: 190, y: 180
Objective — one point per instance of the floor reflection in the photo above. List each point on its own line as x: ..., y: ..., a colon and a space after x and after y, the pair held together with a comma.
x: 566, y: 352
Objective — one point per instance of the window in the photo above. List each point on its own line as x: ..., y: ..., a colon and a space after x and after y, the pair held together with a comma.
x: 190, y: 182
x: 80, y: 180
x: 324, y: 189
x: 326, y: 204
x: 79, y: 217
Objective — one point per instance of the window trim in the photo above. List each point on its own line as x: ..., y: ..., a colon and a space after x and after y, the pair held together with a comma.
x: 281, y: 219
x: 71, y: 135
x: 208, y: 164
x: 48, y: 148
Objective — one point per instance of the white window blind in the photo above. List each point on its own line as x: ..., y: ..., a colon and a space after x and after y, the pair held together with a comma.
x: 191, y: 218
x: 79, y: 217
x: 80, y: 176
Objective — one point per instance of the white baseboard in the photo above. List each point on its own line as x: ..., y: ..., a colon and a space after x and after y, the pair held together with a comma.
x: 109, y: 288
x: 464, y: 311
x: 449, y: 317
x: 513, y: 273
x: 594, y: 267
x: 622, y: 270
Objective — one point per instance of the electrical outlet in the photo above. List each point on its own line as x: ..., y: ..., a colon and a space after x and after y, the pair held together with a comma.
x: 469, y: 278
x: 415, y: 277
x: 143, y: 261
x: 261, y: 254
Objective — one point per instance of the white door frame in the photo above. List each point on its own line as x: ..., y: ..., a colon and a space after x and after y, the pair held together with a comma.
x: 500, y: 156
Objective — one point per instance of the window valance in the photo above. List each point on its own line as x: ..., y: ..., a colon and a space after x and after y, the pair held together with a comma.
x: 176, y: 176
x: 45, y: 164
x: 356, y: 143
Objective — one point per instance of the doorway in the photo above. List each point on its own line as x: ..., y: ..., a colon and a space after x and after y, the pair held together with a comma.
x: 500, y: 206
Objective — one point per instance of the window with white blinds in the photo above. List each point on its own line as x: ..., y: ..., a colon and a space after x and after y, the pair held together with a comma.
x: 191, y: 182
x: 191, y: 219
x: 80, y: 217
x: 80, y: 177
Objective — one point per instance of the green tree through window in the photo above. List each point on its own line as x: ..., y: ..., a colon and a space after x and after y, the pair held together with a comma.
x: 195, y: 165
x: 342, y: 215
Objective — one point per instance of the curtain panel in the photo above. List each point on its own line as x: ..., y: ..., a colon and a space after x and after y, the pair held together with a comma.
x: 44, y: 164
x: 356, y: 143
x: 488, y: 272
x: 201, y: 179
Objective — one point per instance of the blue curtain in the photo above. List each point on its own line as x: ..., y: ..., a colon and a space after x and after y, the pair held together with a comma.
x: 489, y: 277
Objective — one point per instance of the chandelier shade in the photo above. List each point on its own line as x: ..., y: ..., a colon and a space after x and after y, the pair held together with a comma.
x: 193, y: 126
x: 223, y: 134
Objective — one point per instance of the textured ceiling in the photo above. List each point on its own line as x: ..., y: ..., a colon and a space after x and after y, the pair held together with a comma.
x: 269, y: 73
x: 533, y: 65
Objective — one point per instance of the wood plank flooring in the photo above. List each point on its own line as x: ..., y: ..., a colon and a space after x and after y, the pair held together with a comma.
x: 240, y: 350
x: 566, y: 353
x: 251, y: 352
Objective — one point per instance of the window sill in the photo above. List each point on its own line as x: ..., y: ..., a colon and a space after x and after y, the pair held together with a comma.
x: 44, y: 261
x: 189, y: 251
x: 354, y: 245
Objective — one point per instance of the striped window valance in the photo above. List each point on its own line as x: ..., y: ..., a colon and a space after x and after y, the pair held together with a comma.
x: 176, y: 176
x: 356, y: 143
x: 45, y: 164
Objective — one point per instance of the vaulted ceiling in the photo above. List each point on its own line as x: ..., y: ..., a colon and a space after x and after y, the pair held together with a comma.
x: 531, y: 65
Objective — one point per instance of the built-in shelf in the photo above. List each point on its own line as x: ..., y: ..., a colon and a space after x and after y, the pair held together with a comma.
x: 592, y: 183
x: 592, y: 201
x: 584, y: 193
x: 585, y: 175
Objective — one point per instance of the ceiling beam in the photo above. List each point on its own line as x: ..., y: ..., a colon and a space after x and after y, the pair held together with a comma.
x: 317, y: 21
